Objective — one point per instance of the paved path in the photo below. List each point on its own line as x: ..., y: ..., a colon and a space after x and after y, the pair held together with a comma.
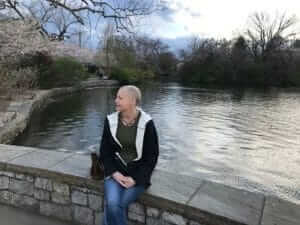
x: 14, y: 216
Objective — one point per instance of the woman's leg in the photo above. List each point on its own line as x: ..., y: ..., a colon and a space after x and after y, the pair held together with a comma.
x: 113, y: 211
x: 130, y: 195
x: 117, y: 200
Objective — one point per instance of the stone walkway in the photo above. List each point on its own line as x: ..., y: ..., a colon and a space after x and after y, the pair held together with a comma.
x: 14, y: 216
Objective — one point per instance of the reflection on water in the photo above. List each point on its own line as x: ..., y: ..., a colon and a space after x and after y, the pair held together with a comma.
x: 246, y: 138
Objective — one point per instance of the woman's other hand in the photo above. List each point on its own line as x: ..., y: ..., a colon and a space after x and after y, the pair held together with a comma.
x: 130, y: 182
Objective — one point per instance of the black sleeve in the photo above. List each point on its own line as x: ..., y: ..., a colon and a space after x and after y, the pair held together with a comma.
x: 106, y: 151
x: 149, y: 157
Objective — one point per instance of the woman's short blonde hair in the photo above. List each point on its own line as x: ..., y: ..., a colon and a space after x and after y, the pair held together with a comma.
x: 135, y: 92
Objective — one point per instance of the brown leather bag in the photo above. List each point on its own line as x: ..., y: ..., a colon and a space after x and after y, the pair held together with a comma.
x: 97, y: 169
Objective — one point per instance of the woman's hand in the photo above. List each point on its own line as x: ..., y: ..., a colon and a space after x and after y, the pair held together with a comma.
x: 120, y: 178
x: 126, y: 182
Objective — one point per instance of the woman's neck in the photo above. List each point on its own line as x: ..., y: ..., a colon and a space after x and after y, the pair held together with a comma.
x: 129, y: 114
x: 128, y: 118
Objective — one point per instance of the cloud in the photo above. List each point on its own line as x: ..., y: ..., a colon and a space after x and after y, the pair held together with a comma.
x: 167, y: 13
x: 195, y: 14
x: 179, y: 5
x: 170, y: 9
x: 192, y: 12
x: 212, y: 18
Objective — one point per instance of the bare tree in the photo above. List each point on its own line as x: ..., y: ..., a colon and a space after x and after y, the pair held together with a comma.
x: 195, y: 44
x: 122, y: 12
x: 40, y: 11
x: 105, y: 54
x: 266, y: 34
x: 138, y: 52
x: 60, y: 23
x: 148, y: 50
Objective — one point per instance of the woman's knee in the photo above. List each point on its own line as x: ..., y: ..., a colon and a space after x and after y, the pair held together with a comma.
x: 129, y: 196
x: 113, y: 207
x: 112, y: 202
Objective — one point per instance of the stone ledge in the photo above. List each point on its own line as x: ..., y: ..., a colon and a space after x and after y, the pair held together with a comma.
x: 233, y: 204
x: 171, y: 196
x: 280, y: 212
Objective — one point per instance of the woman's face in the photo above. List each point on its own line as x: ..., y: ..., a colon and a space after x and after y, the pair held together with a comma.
x: 124, y: 101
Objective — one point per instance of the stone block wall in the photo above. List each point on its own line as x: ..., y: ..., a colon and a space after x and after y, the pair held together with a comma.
x: 142, y: 214
x: 69, y: 202
x: 51, y: 198
x: 58, y: 189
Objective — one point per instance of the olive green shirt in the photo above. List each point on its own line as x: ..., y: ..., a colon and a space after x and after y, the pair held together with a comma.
x: 127, y: 136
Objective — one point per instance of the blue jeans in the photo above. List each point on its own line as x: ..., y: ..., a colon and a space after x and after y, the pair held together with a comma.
x: 117, y: 199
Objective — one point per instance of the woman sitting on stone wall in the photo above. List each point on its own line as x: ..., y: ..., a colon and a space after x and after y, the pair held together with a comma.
x: 129, y: 151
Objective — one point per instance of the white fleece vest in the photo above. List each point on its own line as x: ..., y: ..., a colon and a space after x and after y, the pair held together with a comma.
x: 141, y: 127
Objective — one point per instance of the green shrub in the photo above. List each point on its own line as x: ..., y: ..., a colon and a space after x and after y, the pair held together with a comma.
x: 128, y: 75
x: 147, y: 74
x: 63, y: 71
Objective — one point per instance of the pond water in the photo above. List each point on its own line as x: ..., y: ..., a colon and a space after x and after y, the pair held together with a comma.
x: 246, y: 138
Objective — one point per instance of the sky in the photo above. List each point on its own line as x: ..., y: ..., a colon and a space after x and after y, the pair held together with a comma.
x: 182, y: 19
x: 213, y: 18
